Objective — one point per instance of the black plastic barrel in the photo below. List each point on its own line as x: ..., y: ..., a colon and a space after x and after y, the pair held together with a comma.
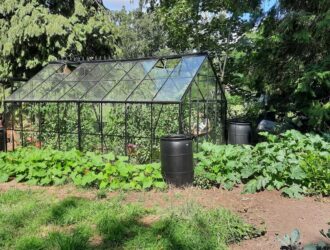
x: 239, y: 132
x: 3, y: 139
x: 177, y: 159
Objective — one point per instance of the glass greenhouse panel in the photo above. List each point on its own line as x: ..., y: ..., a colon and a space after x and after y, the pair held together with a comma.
x: 113, y: 117
x: 130, y: 81
x: 114, y: 144
x: 24, y: 90
x: 207, y: 86
x: 49, y: 117
x: 188, y: 66
x: 118, y: 71
x: 47, y: 71
x: 30, y: 139
x: 13, y: 116
x: 99, y: 71
x: 90, y: 116
x: 41, y: 90
x: 68, y: 141
x: 30, y: 117
x: 196, y: 93
x: 163, y: 68
x: 206, y: 69
x: 165, y: 120
x: 48, y: 139
x: 173, y: 89
x: 78, y: 91
x: 59, y: 91
x: 36, y: 89
x: 80, y: 72
x: 122, y: 90
x: 139, y: 114
x: 68, y: 118
x: 140, y: 70
x: 60, y: 73
x: 91, y: 143
x: 147, y: 90
x: 99, y: 91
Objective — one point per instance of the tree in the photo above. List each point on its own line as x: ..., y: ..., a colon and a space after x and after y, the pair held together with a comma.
x: 288, y: 58
x: 140, y: 34
x: 34, y: 32
x: 205, y: 25
x: 213, y: 26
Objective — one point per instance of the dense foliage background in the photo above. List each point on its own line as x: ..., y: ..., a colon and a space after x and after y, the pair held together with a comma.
x: 287, y: 57
x: 34, y: 32
x: 282, y: 54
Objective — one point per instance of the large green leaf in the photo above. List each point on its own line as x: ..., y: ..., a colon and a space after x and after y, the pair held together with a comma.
x: 4, y: 177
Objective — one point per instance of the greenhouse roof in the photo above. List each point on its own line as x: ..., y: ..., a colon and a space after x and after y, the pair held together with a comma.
x: 142, y: 80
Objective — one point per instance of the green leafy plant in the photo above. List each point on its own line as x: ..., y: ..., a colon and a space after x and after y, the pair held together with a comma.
x: 326, y: 234
x: 294, y: 163
x: 292, y: 241
x: 52, y: 167
x: 320, y: 245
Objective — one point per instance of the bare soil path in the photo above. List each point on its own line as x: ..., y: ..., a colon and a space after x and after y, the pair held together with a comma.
x: 269, y: 210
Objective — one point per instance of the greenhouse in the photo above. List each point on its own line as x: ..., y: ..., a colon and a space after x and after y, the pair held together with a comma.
x: 121, y: 106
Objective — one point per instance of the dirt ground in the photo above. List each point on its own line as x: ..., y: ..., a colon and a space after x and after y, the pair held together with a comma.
x: 269, y: 210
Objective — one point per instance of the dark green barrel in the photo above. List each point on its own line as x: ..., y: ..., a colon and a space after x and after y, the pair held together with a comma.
x: 239, y: 132
x: 3, y: 139
x: 177, y: 159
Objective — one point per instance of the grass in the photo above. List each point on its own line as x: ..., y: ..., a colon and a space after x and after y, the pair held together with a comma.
x: 34, y: 220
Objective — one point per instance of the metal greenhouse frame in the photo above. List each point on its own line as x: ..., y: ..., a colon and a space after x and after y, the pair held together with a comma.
x: 118, y: 105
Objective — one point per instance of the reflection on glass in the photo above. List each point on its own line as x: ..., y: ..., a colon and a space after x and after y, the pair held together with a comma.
x: 147, y: 90
x: 118, y: 71
x: 139, y: 70
x: 99, y: 71
x: 188, y: 66
x: 37, y: 80
x: 41, y: 90
x: 59, y: 91
x: 196, y: 93
x: 122, y: 90
x: 173, y: 90
x: 24, y: 90
x: 163, y: 68
x: 78, y: 91
x: 207, y: 86
x: 80, y: 72
x: 47, y: 71
x: 99, y: 91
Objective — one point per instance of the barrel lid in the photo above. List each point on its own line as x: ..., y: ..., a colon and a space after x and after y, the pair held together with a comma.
x: 176, y: 137
x: 239, y: 122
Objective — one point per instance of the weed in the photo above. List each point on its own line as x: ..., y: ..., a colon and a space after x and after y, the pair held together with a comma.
x: 101, y: 194
x: 78, y: 239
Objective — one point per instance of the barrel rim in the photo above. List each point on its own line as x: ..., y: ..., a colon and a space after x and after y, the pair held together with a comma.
x: 239, y: 122
x: 176, y: 137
